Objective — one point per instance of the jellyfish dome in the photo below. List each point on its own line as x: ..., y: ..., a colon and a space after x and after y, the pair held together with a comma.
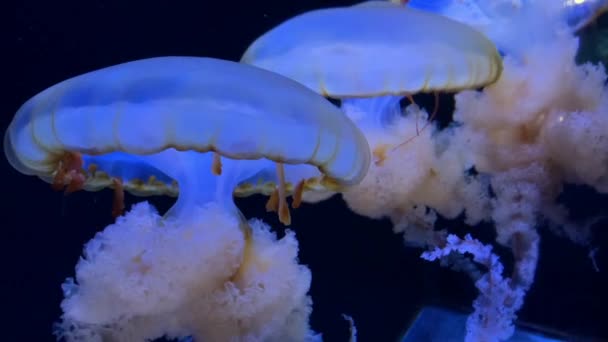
x: 376, y: 48
x: 373, y: 54
x: 159, y: 117
x: 198, y: 128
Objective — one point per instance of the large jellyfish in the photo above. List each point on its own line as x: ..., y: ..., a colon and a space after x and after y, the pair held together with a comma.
x: 201, y: 127
x: 370, y: 56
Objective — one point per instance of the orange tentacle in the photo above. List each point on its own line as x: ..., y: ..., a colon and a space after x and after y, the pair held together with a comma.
x: 118, y: 204
x: 69, y: 175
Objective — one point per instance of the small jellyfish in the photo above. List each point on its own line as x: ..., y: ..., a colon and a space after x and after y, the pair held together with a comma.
x: 202, y: 129
x: 580, y: 13
x: 517, y: 26
x: 576, y: 13
x: 373, y: 54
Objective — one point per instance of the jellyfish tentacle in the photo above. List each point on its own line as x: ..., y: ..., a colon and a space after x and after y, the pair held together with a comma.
x: 118, y: 202
x: 297, y: 194
x: 216, y: 167
x: 272, y: 205
x: 284, y: 215
x: 69, y: 175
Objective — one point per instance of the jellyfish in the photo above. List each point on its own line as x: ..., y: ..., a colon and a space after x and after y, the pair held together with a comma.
x: 577, y: 13
x: 198, y: 128
x: 370, y: 56
x: 516, y: 25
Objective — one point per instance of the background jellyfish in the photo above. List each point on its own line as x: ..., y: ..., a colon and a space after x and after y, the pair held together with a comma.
x: 369, y: 58
x: 200, y: 270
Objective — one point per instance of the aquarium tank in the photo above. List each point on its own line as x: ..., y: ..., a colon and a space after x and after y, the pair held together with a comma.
x: 382, y: 170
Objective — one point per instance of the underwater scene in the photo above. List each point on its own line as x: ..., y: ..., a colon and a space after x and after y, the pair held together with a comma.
x: 290, y: 171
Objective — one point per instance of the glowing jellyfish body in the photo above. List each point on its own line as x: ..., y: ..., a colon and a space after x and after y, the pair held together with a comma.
x: 369, y: 56
x: 372, y: 54
x: 375, y: 49
x: 154, y: 123
x: 201, y: 129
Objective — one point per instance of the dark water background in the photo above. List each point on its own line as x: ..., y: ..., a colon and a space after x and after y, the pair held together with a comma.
x: 359, y: 266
